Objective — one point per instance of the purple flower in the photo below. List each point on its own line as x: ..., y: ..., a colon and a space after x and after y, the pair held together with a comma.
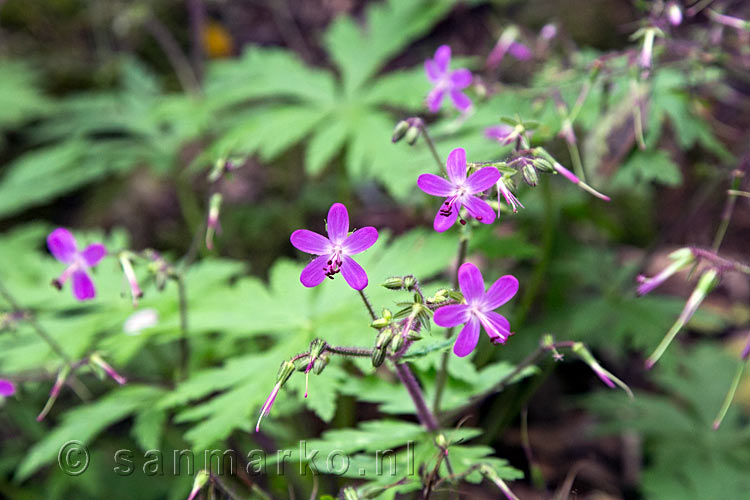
x: 334, y: 252
x: 504, y: 134
x: 459, y: 191
x: 452, y: 82
x: 7, y: 388
x: 674, y: 14
x: 479, y: 308
x: 62, y: 245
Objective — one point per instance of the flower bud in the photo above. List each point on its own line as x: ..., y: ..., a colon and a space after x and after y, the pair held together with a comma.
x: 674, y: 14
x: 96, y: 360
x: 414, y: 336
x: 397, y: 343
x: 394, y: 283
x: 529, y: 174
x: 212, y: 224
x: 384, y: 338
x: 542, y: 165
x: 412, y: 135
x: 350, y: 493
x: 7, y: 388
x: 400, y: 131
x: 378, y: 356
x: 62, y: 376
x: 320, y: 364
x: 200, y: 481
x: 409, y: 282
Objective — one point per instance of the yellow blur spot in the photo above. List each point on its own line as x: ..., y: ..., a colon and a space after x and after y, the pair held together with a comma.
x: 217, y: 42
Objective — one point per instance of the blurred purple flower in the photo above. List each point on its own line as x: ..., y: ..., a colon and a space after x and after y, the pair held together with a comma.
x: 507, y: 44
x: 7, y: 388
x: 334, y: 252
x: 460, y: 191
x: 548, y: 31
x: 479, y: 308
x: 446, y: 81
x: 504, y: 134
x: 674, y: 14
x: 62, y: 245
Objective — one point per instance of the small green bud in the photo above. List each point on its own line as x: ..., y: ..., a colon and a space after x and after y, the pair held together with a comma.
x: 400, y: 130
x: 387, y: 314
x: 317, y: 346
x: 394, y: 283
x: 409, y: 282
x: 320, y: 364
x: 529, y: 175
x: 397, y: 343
x: 384, y: 338
x: 412, y: 135
x: 285, y: 371
x: 378, y: 356
x: 380, y: 323
x: 542, y: 165
x: 441, y: 441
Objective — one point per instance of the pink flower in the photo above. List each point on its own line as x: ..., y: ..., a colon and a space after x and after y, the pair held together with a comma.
x: 452, y: 82
x: 504, y: 134
x: 7, y: 388
x: 459, y: 191
x: 334, y: 252
x: 479, y: 308
x: 510, y: 198
x: 62, y: 245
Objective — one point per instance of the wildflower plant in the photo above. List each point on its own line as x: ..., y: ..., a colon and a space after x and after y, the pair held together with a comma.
x: 212, y: 330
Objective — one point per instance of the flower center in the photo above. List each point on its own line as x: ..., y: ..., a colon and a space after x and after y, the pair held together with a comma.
x: 334, y: 262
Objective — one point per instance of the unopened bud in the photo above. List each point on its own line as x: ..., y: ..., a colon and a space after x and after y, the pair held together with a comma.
x: 129, y: 272
x: 400, y: 130
x: 529, y: 174
x: 409, y: 282
x: 384, y: 338
x: 62, y: 376
x: 397, y: 343
x: 350, y: 493
x: 542, y: 165
x: 200, y: 481
x: 394, y: 283
x: 412, y: 135
x: 320, y: 364
x: 674, y: 14
x: 441, y: 441
x: 378, y: 356
x: 414, y: 336
x: 97, y: 361
x: 212, y: 224
x: 380, y: 323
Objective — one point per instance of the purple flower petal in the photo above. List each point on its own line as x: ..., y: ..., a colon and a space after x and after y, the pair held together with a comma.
x: 471, y: 282
x: 338, y: 223
x: 501, y: 292
x: 7, y: 388
x: 482, y: 179
x: 498, y: 132
x: 452, y: 315
x: 432, y: 71
x: 435, y: 99
x: 353, y: 274
x: 360, y: 240
x: 460, y: 100
x: 315, y: 272
x: 467, y: 339
x: 83, y: 287
x: 94, y: 253
x: 310, y: 242
x: 480, y: 210
x: 444, y: 222
x: 519, y: 51
x: 434, y: 185
x: 456, y: 166
x: 62, y: 245
x: 496, y: 326
x: 442, y: 58
x: 461, y: 78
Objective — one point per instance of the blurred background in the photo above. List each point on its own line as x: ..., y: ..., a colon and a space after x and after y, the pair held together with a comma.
x: 113, y: 114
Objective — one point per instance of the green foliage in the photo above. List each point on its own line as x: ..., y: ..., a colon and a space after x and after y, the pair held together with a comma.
x: 686, y: 457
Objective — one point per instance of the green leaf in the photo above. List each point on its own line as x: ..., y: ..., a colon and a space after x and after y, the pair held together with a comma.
x: 85, y: 423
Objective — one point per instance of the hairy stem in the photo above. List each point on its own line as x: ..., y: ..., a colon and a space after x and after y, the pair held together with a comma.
x: 425, y: 416
x: 367, y: 305
x: 349, y: 351
x: 431, y: 146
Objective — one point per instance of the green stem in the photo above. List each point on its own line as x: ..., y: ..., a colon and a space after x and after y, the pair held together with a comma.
x: 726, y: 215
x: 730, y: 395
x: 367, y: 305
x: 184, y: 342
x: 431, y: 146
x: 350, y: 351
